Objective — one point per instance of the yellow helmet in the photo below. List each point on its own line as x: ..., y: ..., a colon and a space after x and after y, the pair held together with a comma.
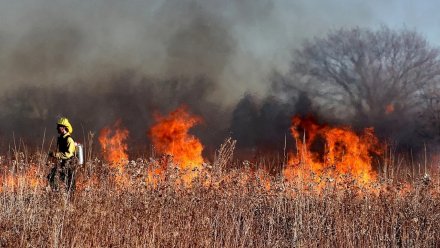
x: 65, y: 122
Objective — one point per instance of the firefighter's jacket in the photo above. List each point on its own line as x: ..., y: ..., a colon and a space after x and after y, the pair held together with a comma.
x: 66, y: 147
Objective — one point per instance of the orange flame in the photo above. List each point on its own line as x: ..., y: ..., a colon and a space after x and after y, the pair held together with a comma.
x: 342, y: 152
x: 389, y: 108
x: 113, y: 143
x: 8, y: 183
x: 114, y: 148
x: 34, y: 181
x: 156, y: 172
x: 27, y: 179
x: 170, y: 136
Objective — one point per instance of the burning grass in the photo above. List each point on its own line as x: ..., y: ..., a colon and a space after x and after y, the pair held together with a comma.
x: 341, y: 151
x: 327, y: 194
x: 222, y: 208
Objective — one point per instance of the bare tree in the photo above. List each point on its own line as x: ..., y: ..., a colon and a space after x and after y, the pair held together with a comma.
x: 368, y: 74
x: 430, y: 114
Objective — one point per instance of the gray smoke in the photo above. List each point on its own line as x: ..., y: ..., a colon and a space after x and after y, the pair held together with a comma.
x: 237, y: 44
x: 102, y: 60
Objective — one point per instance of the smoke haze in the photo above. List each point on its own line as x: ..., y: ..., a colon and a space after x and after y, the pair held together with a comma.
x: 98, y: 61
x: 237, y: 44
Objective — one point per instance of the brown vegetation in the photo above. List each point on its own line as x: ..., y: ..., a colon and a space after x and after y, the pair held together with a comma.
x: 222, y: 208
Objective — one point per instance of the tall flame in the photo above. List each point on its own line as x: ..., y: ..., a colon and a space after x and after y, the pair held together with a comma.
x: 170, y: 136
x: 114, y: 147
x: 342, y: 151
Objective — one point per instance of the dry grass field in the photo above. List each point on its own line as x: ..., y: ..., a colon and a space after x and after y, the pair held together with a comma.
x: 222, y: 207
x: 350, y: 192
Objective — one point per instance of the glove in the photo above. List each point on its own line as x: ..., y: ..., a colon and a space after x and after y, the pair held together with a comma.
x: 54, y: 154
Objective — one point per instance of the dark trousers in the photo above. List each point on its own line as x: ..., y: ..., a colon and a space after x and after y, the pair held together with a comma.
x: 63, y: 171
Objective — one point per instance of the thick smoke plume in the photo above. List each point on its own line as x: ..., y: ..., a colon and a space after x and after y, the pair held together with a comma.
x: 99, y: 61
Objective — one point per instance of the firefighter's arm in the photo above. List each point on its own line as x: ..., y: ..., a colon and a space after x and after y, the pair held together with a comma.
x: 70, y: 151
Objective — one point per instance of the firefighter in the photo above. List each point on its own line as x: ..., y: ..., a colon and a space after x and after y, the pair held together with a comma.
x: 64, y: 169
